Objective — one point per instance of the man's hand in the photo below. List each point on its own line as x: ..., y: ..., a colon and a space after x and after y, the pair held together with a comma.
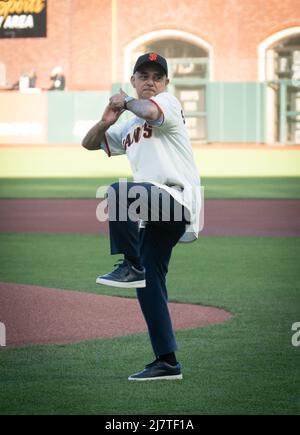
x: 111, y: 114
x: 117, y: 100
x: 94, y: 137
x: 142, y: 108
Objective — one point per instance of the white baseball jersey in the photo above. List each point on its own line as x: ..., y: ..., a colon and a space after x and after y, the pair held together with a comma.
x: 160, y: 153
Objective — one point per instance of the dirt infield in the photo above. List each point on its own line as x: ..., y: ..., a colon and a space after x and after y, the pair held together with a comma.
x: 222, y: 217
x: 38, y: 315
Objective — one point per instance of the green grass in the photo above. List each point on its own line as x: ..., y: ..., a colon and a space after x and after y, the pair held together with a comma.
x: 227, y: 187
x: 244, y: 366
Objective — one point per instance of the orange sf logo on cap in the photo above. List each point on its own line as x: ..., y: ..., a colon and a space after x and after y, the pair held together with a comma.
x: 152, y: 56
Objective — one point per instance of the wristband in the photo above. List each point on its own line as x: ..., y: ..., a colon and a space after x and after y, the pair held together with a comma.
x: 127, y: 100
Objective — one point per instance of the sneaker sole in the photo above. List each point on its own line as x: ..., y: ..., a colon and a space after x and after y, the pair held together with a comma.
x: 157, y: 378
x: 133, y: 284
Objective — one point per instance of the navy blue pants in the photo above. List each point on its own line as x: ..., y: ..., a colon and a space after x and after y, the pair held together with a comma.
x: 153, y: 245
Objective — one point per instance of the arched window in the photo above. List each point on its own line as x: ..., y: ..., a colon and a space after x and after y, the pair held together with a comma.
x: 189, y: 59
x: 178, y: 52
x: 287, y: 71
x: 281, y: 71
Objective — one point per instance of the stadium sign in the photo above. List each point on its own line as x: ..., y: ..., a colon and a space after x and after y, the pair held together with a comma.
x: 23, y: 18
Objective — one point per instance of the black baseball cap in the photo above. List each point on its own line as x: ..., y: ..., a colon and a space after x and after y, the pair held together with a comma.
x: 151, y: 58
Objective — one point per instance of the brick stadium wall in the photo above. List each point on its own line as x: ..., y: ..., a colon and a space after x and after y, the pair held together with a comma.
x: 90, y: 54
x: 233, y: 27
x: 41, y: 53
x: 79, y: 40
x: 79, y: 36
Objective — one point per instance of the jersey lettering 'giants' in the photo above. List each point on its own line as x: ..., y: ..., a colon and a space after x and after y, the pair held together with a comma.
x: 135, y: 137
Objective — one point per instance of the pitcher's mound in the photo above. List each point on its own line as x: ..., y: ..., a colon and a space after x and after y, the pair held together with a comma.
x: 39, y: 315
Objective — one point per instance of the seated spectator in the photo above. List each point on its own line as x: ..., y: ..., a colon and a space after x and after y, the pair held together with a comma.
x: 27, y: 80
x: 32, y: 78
x: 58, y: 79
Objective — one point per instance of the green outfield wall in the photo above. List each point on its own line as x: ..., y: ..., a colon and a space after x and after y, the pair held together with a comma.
x: 235, y: 112
x: 41, y: 133
x: 70, y: 114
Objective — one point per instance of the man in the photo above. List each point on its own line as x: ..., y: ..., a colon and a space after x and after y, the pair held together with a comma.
x: 157, y: 146
x: 58, y: 79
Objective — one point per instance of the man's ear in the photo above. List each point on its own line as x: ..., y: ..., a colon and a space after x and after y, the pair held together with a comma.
x: 167, y: 82
x: 132, y: 80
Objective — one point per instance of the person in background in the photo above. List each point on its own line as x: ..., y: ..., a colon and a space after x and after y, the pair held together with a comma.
x: 32, y: 76
x: 58, y: 79
x: 26, y: 80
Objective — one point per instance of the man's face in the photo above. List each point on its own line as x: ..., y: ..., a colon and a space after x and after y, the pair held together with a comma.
x: 149, y: 80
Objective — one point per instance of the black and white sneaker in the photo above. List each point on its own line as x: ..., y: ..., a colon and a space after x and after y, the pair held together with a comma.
x: 158, y: 370
x: 124, y: 276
